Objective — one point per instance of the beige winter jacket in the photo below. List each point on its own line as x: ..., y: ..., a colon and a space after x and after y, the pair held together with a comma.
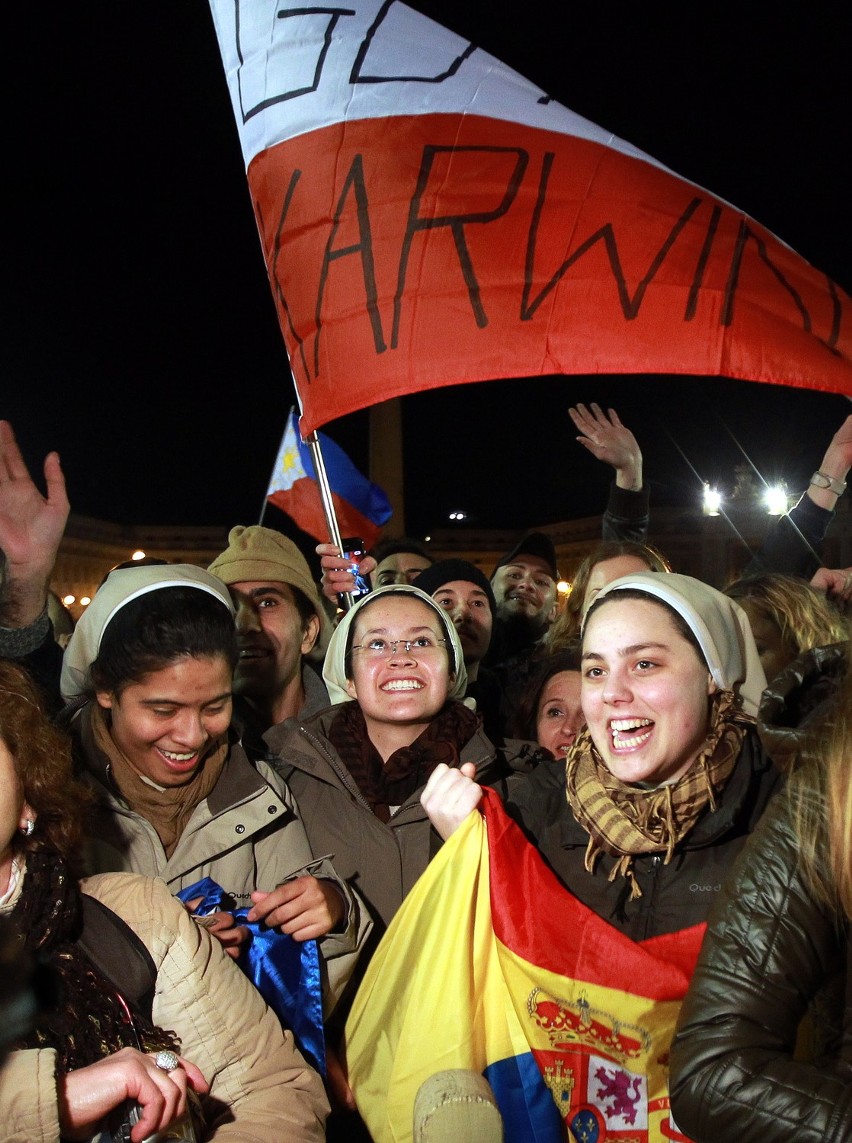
x: 246, y: 835
x: 261, y: 1088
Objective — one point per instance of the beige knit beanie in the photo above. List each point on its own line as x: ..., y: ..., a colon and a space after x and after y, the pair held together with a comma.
x: 258, y: 553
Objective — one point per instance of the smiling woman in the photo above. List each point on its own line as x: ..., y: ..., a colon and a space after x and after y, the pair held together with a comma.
x: 148, y: 675
x: 135, y: 982
x: 662, y: 787
x: 396, y: 674
x: 395, y: 670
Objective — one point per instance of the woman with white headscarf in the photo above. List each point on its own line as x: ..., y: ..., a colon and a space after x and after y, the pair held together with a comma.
x: 395, y: 672
x: 662, y: 788
x: 148, y: 678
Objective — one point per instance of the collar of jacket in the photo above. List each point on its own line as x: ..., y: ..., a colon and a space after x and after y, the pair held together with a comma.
x: 238, y: 782
x: 304, y: 746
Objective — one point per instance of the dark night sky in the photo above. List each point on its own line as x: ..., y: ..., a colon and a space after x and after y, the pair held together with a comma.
x: 140, y: 338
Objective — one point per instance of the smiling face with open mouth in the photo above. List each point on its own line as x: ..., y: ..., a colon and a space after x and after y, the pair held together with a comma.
x: 524, y: 587
x: 165, y: 723
x: 273, y: 635
x: 645, y: 691
x: 398, y: 689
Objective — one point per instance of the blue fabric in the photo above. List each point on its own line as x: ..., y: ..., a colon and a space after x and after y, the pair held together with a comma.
x: 285, y: 972
x: 527, y: 1108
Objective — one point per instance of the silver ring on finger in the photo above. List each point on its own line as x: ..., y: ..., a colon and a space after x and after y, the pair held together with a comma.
x: 167, y: 1061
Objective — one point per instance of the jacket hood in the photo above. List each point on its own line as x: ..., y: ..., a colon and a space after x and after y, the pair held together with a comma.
x: 798, y: 700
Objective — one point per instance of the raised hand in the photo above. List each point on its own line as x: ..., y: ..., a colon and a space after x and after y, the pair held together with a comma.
x: 836, y: 583
x: 836, y: 464
x: 450, y: 796
x: 607, y: 439
x: 31, y: 528
x: 337, y: 575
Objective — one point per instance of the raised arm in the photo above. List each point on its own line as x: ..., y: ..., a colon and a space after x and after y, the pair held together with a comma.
x: 793, y: 545
x: 449, y: 796
x: 606, y: 438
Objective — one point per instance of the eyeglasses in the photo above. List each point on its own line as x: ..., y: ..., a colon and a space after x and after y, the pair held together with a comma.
x: 382, y: 648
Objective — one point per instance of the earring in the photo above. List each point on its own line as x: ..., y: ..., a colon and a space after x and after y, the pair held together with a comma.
x: 28, y: 827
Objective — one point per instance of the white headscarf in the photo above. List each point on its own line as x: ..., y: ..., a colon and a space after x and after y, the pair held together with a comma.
x: 334, y: 671
x: 118, y: 589
x: 718, y: 623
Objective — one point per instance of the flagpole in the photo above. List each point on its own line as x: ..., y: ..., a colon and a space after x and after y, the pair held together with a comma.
x: 312, y: 441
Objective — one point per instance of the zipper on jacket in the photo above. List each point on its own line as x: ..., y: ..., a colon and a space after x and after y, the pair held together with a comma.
x: 343, y: 774
x: 648, y: 897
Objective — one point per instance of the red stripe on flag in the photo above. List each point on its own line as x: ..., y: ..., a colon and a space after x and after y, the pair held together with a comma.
x: 421, y: 251
x: 303, y: 504
x: 532, y: 913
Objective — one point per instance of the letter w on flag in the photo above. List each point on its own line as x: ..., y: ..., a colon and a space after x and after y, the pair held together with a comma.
x: 428, y: 217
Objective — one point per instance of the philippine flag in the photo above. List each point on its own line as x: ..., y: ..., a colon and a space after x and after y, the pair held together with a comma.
x: 361, y: 507
x: 429, y: 217
x: 492, y: 965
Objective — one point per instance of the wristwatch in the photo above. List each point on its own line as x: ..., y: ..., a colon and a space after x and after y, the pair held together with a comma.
x: 820, y: 480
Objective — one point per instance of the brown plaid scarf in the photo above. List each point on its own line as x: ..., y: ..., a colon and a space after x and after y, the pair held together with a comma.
x: 625, y: 821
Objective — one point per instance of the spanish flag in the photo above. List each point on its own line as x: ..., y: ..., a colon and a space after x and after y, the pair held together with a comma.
x: 492, y: 965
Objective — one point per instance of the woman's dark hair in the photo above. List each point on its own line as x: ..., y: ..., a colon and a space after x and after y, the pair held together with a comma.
x: 155, y: 629
x: 523, y: 722
x: 42, y: 757
x: 680, y: 624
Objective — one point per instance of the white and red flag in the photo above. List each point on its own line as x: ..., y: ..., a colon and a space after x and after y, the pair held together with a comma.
x: 429, y: 217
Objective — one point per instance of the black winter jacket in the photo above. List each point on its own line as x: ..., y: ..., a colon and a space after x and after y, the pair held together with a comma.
x: 770, y: 952
x: 674, y: 896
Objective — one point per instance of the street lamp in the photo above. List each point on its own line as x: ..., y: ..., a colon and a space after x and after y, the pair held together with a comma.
x: 775, y: 499
x: 712, y: 501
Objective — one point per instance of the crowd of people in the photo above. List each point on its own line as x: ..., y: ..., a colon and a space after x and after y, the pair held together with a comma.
x: 211, y: 757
